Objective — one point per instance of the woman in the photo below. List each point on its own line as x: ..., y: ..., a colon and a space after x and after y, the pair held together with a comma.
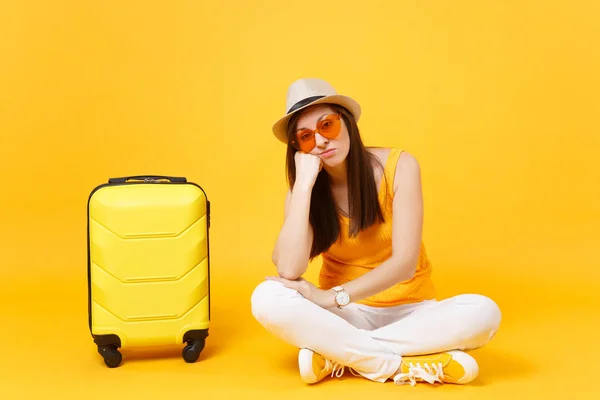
x: 361, y: 210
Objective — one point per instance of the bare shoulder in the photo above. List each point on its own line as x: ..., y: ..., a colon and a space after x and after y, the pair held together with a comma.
x: 382, y: 153
x: 408, y: 171
x: 407, y: 161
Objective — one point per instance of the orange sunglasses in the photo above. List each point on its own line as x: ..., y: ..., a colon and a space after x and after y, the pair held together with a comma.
x: 329, y: 127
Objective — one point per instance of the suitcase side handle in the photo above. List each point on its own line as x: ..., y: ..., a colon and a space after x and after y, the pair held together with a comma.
x: 147, y: 178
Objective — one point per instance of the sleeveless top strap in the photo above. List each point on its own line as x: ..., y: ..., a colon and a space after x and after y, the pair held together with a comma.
x: 390, y: 168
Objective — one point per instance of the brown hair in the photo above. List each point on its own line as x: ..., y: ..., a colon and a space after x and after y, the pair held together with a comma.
x: 363, y: 201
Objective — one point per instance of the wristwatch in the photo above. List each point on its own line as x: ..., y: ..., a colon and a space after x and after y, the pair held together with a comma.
x: 342, y: 298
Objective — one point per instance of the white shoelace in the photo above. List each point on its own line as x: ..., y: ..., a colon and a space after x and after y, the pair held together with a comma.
x: 428, y: 372
x: 337, y: 370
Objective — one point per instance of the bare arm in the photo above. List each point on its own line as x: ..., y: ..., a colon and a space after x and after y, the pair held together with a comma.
x: 292, y: 249
x: 407, y: 226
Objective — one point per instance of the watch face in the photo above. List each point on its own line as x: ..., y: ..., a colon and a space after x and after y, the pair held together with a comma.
x: 342, y: 298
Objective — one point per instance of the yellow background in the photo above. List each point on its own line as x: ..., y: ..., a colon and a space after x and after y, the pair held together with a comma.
x: 499, y: 101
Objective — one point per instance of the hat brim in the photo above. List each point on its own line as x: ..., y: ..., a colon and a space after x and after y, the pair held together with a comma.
x: 280, y: 127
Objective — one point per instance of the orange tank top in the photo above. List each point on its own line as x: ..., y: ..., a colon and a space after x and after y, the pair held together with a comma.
x: 349, y: 258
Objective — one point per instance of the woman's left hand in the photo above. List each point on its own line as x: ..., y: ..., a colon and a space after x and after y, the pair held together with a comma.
x: 322, y: 298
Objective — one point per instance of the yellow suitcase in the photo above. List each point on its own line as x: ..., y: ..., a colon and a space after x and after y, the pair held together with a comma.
x: 148, y: 265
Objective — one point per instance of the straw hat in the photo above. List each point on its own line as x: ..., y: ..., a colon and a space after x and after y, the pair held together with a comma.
x: 307, y: 92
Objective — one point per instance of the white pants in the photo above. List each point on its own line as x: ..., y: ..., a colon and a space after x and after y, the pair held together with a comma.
x: 373, y: 340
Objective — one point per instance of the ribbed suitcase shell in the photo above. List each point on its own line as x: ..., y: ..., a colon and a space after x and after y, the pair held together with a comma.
x: 148, y: 265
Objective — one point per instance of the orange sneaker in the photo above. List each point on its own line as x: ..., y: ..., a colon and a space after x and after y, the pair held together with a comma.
x: 314, y: 367
x: 449, y: 367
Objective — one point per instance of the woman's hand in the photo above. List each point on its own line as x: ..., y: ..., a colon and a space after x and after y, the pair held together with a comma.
x: 308, y: 167
x: 322, y: 298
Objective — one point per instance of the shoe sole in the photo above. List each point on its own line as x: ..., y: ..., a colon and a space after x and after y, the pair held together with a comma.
x: 469, y: 365
x: 305, y: 366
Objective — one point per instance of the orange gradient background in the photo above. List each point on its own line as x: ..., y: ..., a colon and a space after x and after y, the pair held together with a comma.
x: 499, y: 101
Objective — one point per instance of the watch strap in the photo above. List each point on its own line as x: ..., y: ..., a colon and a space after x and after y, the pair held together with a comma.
x: 337, y: 290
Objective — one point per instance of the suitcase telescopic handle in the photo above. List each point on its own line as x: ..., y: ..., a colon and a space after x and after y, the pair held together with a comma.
x: 147, y: 178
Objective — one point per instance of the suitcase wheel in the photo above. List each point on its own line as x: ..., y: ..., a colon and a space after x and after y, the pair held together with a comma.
x: 192, y: 350
x: 112, y: 356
